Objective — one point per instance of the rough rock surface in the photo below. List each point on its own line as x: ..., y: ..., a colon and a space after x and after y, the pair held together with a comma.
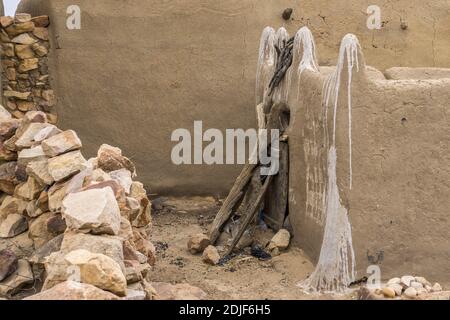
x: 197, y: 243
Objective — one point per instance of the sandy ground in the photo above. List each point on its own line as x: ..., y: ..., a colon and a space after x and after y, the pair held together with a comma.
x: 243, y: 277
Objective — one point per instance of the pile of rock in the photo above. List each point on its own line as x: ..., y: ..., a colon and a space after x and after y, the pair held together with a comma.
x: 26, y: 84
x: 406, y: 287
x: 69, y: 227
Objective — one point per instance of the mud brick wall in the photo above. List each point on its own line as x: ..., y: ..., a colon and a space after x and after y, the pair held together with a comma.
x: 25, y: 76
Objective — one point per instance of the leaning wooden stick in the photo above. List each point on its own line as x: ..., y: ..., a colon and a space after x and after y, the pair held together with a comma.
x: 249, y: 216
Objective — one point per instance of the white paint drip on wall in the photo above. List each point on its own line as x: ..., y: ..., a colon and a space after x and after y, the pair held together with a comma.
x: 266, y: 63
x: 280, y: 93
x: 335, y: 269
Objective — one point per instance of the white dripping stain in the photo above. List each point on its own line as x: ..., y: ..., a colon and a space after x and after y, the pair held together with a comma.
x: 281, y: 92
x: 266, y: 63
x: 304, y: 53
x: 335, y: 269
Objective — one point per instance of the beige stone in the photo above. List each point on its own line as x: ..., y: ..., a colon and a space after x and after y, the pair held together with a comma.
x: 388, y: 292
x: 22, y: 277
x: 211, y: 255
x: 46, y: 133
x: 25, y: 139
x: 66, y: 165
x: 16, y: 94
x: 22, y: 17
x: 61, y: 143
x: 8, y: 49
x: 19, y: 28
x: 110, y: 159
x: 410, y: 293
x: 40, y: 50
x: 71, y: 290
x: 93, y: 211
x: 8, y: 179
x: 11, y: 75
x: 24, y: 51
x: 28, y: 65
x: 25, y: 106
x: 280, y: 240
x: 6, y: 21
x: 41, y: 33
x: 11, y: 205
x: 8, y: 128
x: 29, y: 190
x: 98, y: 270
x: 13, y: 225
x: 198, y: 243
x: 123, y: 177
x: 25, y: 156
x: 41, y: 21
x: 39, y: 171
x: 24, y: 38
x: 38, y: 230
x: 397, y: 288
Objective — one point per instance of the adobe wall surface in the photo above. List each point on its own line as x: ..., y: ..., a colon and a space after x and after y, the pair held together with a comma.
x: 141, y: 69
x: 399, y: 200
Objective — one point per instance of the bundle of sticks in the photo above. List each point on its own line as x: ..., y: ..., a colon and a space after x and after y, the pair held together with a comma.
x: 251, y: 191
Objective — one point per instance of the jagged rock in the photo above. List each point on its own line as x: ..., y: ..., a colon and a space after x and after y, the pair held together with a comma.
x: 211, y: 255
x: 56, y: 225
x: 410, y: 293
x: 38, y: 231
x: 145, y: 247
x: 29, y: 190
x: 8, y: 128
x: 25, y: 138
x: 415, y: 285
x: 56, y: 194
x: 22, y: 18
x: 133, y: 207
x: 123, y: 177
x: 61, y: 143
x: 46, y: 133
x: 24, y: 51
x: 98, y: 270
x: 13, y: 225
x: 24, y: 38
x: 182, y: 291
x: 39, y: 171
x: 93, y: 211
x: 135, y: 295
x: 41, y: 33
x: 6, y: 21
x: 71, y: 290
x: 41, y: 21
x: 19, y: 28
x: 117, y: 189
x: 4, y: 114
x: 280, y: 240
x: 28, y: 64
x: 66, y: 165
x: 110, y: 159
x: 12, y: 205
x: 8, y: 263
x: 198, y: 243
x: 423, y: 281
x: 21, y: 245
x: 109, y: 246
x: 40, y: 255
x: 144, y: 217
x: 8, y: 179
x: 22, y: 277
x: 26, y: 156
x: 8, y: 49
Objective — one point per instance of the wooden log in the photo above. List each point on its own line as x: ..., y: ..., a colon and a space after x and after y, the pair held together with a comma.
x: 248, y: 216
x: 276, y: 200
x: 234, y: 196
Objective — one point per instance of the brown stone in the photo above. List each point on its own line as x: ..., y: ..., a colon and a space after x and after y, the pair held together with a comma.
x: 61, y: 143
x: 8, y: 49
x: 24, y: 51
x: 4, y: 36
x: 56, y: 225
x: 25, y: 106
x: 11, y: 74
x: 211, y: 255
x: 6, y: 21
x: 15, y: 94
x: 8, y: 179
x: 22, y: 17
x: 13, y: 225
x: 28, y: 64
x: 110, y: 159
x: 24, y: 38
x: 182, y: 291
x: 41, y: 33
x: 66, y: 165
x: 41, y: 21
x: 38, y: 231
x: 12, y: 205
x: 19, y: 28
x: 198, y: 243
x: 39, y: 170
x: 22, y: 277
x: 29, y: 190
x: 8, y: 128
x: 8, y: 263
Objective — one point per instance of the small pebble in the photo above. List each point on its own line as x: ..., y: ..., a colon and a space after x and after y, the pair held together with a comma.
x: 388, y: 292
x: 437, y: 287
x: 397, y: 288
x: 410, y: 293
